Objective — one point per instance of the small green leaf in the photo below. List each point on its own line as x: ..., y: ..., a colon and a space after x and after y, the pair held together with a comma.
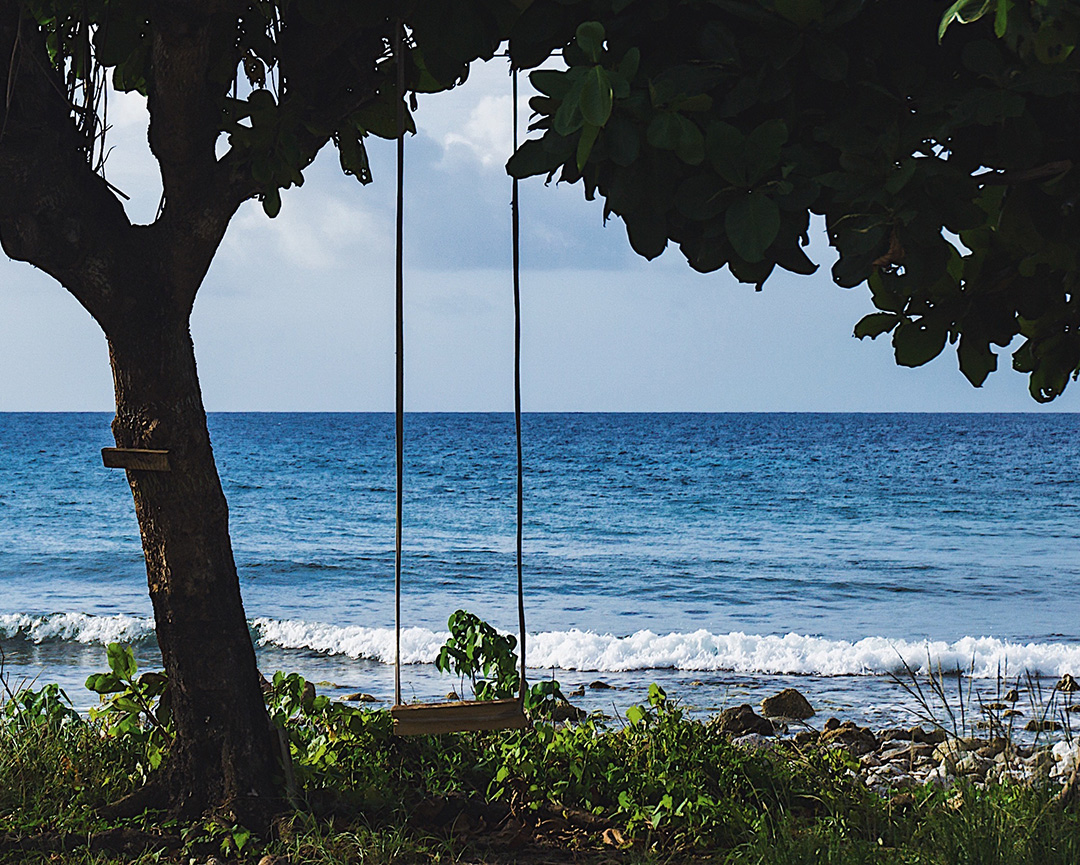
x: 635, y: 715
x: 751, y: 224
x: 726, y: 148
x: 590, y: 39
x: 664, y: 131
x: 121, y: 660
x: 585, y: 144
x: 963, y: 11
x: 551, y: 82
x: 1001, y: 18
x: 628, y: 66
x: 977, y: 361
x: 691, y: 145
x: 918, y: 342
x: 104, y: 683
x: 271, y: 202
x: 875, y: 324
x: 596, y: 97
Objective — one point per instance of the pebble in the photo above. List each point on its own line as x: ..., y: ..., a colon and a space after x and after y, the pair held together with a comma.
x: 897, y: 760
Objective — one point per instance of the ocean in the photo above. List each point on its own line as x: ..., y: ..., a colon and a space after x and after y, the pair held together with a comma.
x: 723, y: 556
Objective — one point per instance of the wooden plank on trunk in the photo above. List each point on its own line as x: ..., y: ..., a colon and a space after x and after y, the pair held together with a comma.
x: 426, y: 718
x: 136, y: 459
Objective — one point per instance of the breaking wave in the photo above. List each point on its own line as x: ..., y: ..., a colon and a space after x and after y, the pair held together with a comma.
x: 77, y: 628
x: 984, y: 657
x: 791, y: 654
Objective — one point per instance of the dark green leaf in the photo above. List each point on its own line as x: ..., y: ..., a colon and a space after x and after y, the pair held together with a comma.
x: 977, y: 361
x: 691, y: 144
x: 647, y: 233
x: 751, y: 224
x: 121, y: 660
x: 532, y: 158
x: 726, y: 148
x: 585, y: 144
x: 590, y: 39
x: 596, y: 97
x: 271, y: 202
x: 551, y: 82
x: 875, y: 324
x: 918, y: 342
x: 104, y: 683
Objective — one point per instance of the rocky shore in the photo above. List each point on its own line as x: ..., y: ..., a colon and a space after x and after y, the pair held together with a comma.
x: 895, y: 759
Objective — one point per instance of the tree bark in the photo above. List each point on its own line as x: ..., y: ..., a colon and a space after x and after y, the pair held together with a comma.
x: 223, y: 754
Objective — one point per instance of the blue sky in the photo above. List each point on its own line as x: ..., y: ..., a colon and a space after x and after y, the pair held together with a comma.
x: 296, y: 313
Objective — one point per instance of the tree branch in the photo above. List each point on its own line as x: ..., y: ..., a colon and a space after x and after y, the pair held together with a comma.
x: 55, y: 212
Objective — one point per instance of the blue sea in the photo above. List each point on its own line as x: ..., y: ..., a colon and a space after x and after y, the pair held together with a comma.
x: 724, y: 556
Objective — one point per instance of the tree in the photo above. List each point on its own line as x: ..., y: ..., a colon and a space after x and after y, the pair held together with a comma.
x: 721, y: 125
x: 277, y: 81
x: 942, y: 157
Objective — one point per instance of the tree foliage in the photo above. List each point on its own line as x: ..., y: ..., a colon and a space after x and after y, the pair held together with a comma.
x: 945, y: 170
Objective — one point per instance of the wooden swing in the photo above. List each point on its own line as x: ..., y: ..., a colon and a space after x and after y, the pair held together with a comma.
x: 428, y: 718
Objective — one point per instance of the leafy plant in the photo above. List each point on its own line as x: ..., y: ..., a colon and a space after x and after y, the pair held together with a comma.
x: 48, y: 707
x: 133, y: 706
x: 477, y: 652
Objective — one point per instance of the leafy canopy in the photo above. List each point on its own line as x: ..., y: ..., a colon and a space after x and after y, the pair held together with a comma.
x: 945, y: 170
x: 938, y: 142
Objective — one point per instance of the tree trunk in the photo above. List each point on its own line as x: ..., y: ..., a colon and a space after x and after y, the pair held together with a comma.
x: 223, y: 754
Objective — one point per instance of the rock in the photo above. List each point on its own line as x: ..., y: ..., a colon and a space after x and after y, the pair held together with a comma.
x: 1075, y: 707
x: 908, y: 752
x: 579, y: 691
x: 1044, y: 726
x: 995, y: 707
x: 850, y: 736
x: 995, y: 746
x: 1067, y: 684
x: 453, y: 696
x: 951, y: 750
x: 972, y: 764
x: 806, y: 737
x: 753, y: 741
x: 832, y: 724
x: 740, y: 720
x: 271, y: 859
x: 599, y: 685
x: 360, y: 697
x: 789, y: 703
x: 697, y: 683
x: 1011, y: 696
x: 565, y: 711
x: 1012, y: 713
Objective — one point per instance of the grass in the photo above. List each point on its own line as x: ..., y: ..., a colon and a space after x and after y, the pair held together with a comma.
x: 660, y: 787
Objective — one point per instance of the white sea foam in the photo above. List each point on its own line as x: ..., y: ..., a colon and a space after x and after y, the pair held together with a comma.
x: 76, y: 627
x: 985, y: 657
x: 700, y: 650
x: 418, y: 645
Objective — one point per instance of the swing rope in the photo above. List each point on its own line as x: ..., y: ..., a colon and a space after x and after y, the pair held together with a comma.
x: 515, y: 234
x: 399, y: 410
x: 399, y: 406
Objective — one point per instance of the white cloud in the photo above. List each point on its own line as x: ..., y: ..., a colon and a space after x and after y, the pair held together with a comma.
x: 313, y: 231
x: 488, y: 133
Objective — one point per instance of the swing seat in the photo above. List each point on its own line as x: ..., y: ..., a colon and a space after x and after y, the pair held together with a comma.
x: 419, y: 719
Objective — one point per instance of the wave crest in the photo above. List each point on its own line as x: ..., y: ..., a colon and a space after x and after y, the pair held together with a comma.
x: 76, y: 628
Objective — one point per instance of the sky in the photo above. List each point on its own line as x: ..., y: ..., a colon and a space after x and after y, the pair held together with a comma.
x: 296, y: 313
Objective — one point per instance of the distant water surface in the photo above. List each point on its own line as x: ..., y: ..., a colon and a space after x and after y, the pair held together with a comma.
x: 722, y: 554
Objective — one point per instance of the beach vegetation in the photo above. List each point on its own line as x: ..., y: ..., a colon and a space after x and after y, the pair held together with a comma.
x: 722, y: 127
x: 654, y: 786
